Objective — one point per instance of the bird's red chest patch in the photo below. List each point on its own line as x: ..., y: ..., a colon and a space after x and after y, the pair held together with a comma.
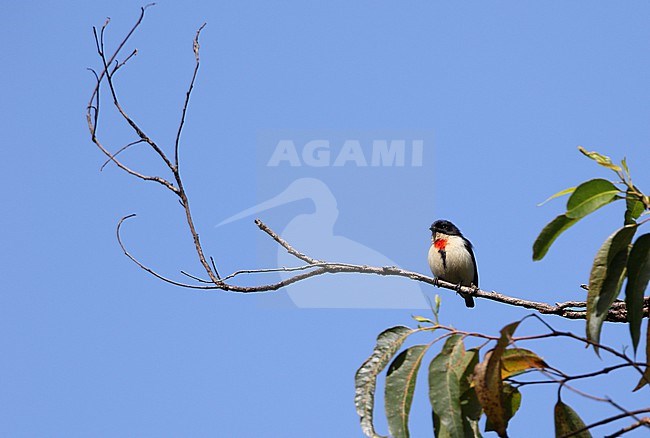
x: 440, y: 244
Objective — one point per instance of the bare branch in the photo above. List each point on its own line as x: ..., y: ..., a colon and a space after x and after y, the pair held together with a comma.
x: 118, y: 106
x: 568, y: 378
x: 585, y: 341
x: 146, y: 268
x: 112, y: 158
x: 119, y: 65
x: 119, y: 47
x: 645, y: 421
x: 262, y: 226
x: 195, y: 47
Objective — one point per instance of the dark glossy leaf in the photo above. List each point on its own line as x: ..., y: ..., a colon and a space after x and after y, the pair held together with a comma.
x: 638, y: 275
x: 645, y: 379
x: 365, y: 380
x: 445, y: 372
x: 518, y: 360
x: 548, y: 235
x: 400, y: 384
x: 567, y: 421
x: 606, y: 278
x: 471, y: 411
x: 603, y: 160
x: 589, y: 197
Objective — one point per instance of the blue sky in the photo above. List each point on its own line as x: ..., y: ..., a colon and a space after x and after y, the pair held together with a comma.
x: 503, y: 91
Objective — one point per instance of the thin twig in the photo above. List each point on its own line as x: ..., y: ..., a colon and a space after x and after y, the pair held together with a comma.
x: 645, y: 421
x: 120, y: 109
x: 568, y: 378
x: 122, y: 149
x: 195, y: 47
x: 119, y: 65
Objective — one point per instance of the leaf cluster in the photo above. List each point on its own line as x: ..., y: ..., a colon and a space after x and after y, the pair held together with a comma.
x: 464, y: 384
x: 618, y: 258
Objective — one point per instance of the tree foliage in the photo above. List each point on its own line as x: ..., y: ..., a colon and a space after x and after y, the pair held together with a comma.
x: 466, y: 384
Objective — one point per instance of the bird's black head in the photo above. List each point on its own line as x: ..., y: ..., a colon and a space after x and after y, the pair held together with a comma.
x: 445, y: 227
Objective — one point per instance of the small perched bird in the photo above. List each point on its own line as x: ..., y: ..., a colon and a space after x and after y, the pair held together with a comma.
x: 451, y: 257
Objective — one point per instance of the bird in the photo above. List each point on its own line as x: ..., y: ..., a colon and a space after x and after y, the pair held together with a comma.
x: 451, y: 257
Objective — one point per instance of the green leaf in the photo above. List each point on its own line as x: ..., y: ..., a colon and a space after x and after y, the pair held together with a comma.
x: 568, y: 421
x: 645, y: 378
x: 589, y: 197
x: 445, y: 372
x: 365, y: 380
x: 606, y: 278
x: 638, y: 275
x: 511, y: 400
x: 633, y: 207
x: 471, y: 411
x: 548, y: 235
x: 517, y: 360
x: 603, y: 160
x: 470, y: 407
x: 400, y: 384
x: 557, y: 195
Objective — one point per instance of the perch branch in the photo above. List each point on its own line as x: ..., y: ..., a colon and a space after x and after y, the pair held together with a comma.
x: 311, y: 267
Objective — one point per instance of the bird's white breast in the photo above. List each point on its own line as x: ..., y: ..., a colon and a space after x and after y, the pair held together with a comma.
x: 458, y: 266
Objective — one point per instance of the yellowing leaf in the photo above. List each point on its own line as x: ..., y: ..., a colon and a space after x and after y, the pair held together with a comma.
x: 557, y: 195
x: 603, y: 160
x: 488, y: 387
x: 488, y: 384
x: 517, y: 360
x: 511, y: 400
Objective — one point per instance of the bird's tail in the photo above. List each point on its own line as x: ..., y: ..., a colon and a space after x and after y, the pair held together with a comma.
x: 469, y: 300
